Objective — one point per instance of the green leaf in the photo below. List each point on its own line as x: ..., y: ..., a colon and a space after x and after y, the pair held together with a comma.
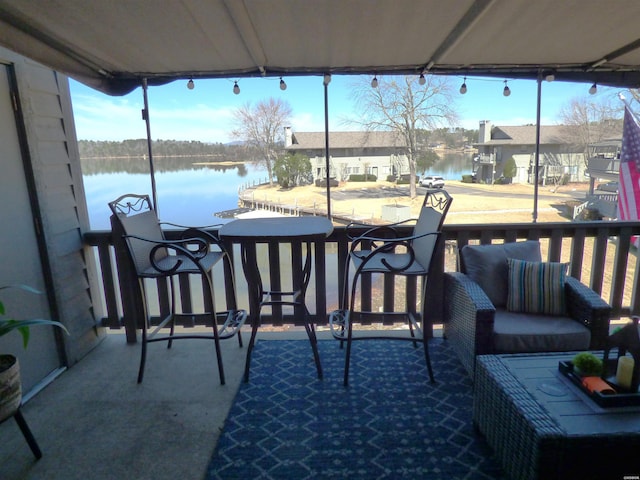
x: 26, y: 288
x: 24, y: 331
x: 23, y: 326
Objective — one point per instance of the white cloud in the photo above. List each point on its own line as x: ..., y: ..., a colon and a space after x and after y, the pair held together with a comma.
x: 306, y: 122
x: 99, y: 118
x: 116, y: 119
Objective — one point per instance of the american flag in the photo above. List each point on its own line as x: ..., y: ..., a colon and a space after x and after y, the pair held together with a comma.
x: 629, y: 184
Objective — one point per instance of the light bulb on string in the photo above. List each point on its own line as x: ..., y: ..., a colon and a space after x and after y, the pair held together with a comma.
x: 374, y: 82
x: 593, y: 89
x: 283, y: 85
x: 507, y: 91
x: 190, y: 84
x: 463, y: 87
x: 236, y: 88
x: 422, y: 80
x: 327, y: 79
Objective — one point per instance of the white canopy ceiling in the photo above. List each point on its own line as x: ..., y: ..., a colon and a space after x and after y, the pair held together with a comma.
x: 111, y: 45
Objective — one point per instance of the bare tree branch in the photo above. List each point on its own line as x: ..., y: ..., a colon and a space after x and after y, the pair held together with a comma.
x: 588, y: 120
x: 403, y: 105
x: 262, y: 127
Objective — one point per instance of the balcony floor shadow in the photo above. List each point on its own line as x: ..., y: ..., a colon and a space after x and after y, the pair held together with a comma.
x: 95, y: 422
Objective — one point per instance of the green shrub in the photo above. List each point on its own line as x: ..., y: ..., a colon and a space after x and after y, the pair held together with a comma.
x: 404, y: 179
x: 467, y: 178
x: 362, y: 177
x: 590, y: 214
x: 510, y: 168
x: 292, y: 169
x: 322, y: 182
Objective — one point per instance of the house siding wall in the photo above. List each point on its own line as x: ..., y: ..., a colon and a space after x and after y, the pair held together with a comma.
x: 343, y: 166
x: 558, y: 160
x: 357, y: 153
x: 498, y: 144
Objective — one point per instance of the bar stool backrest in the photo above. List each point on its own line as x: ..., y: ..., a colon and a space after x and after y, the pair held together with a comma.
x: 432, y: 215
x: 139, y: 219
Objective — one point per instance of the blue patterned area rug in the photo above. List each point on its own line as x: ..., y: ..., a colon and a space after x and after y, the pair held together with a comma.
x: 389, y: 423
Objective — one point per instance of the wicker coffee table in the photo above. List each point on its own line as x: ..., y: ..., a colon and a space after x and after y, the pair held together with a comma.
x: 540, y: 426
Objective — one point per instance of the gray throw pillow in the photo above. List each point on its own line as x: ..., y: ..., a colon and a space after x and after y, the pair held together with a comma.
x: 487, y: 265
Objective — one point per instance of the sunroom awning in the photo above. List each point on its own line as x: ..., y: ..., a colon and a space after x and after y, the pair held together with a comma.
x: 111, y: 45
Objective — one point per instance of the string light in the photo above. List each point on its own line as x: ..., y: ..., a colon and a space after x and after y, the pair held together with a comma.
x: 327, y: 79
x: 463, y: 87
x: 283, y: 85
x: 374, y: 82
x: 236, y: 88
x: 507, y: 91
x: 422, y: 80
x: 550, y: 77
x: 593, y: 90
x: 190, y: 84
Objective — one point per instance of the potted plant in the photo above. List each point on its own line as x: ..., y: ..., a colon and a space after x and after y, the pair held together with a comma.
x: 10, y: 385
x: 587, y: 364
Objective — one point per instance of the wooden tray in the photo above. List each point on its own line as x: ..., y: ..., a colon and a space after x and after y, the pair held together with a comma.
x: 624, y: 397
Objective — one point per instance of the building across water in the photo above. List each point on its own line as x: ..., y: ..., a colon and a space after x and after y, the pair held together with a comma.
x: 377, y: 153
x: 560, y: 159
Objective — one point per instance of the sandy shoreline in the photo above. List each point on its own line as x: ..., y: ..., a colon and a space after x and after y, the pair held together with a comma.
x: 480, y: 204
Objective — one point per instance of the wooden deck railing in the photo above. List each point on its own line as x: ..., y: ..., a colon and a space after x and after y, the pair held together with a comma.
x: 600, y: 255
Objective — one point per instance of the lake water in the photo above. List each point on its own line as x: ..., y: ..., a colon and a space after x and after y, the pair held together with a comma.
x: 189, y: 194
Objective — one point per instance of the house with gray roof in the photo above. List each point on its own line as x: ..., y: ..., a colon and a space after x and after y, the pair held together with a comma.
x: 379, y: 153
x: 558, y: 156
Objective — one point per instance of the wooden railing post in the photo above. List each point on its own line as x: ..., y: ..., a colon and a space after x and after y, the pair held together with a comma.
x: 600, y: 254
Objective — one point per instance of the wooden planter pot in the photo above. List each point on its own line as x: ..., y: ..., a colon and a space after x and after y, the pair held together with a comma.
x: 10, y: 388
x: 11, y: 398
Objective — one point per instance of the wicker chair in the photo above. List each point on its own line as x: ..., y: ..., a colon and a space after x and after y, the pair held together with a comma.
x: 145, y: 254
x: 383, y: 250
x: 477, y: 321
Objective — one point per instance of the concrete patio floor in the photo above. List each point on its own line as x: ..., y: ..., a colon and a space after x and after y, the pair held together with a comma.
x: 95, y: 422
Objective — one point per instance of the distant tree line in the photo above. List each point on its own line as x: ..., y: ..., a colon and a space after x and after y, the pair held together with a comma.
x: 450, y: 137
x: 215, y: 152
x: 93, y: 166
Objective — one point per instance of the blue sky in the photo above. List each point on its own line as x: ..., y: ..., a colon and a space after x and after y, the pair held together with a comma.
x: 206, y: 112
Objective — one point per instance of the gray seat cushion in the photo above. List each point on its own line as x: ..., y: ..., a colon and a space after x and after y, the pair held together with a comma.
x: 487, y: 265
x: 524, y: 333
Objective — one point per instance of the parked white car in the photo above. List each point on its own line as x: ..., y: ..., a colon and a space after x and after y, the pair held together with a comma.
x: 432, y: 181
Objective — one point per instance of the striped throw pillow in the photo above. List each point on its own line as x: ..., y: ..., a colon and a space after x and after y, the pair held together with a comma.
x: 536, y: 287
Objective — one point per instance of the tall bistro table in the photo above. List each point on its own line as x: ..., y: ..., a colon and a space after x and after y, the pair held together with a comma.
x: 296, y: 231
